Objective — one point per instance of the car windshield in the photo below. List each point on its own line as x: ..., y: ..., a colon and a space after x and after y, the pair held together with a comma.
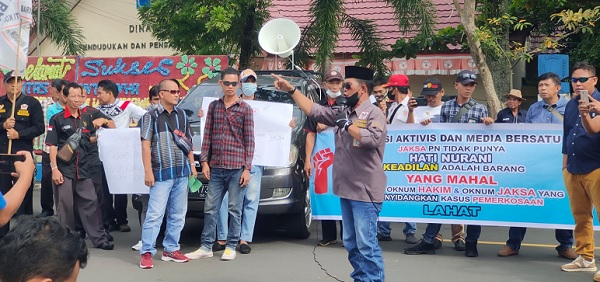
x: 266, y: 92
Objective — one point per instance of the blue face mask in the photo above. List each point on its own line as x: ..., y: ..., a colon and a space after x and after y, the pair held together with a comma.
x: 249, y: 88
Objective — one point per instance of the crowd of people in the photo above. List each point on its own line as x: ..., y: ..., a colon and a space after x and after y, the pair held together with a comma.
x: 358, y: 106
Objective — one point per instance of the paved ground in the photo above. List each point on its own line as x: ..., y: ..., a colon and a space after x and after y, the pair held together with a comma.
x: 277, y: 258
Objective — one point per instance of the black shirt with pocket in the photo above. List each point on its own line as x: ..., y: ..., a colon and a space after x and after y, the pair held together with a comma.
x: 29, y: 122
x: 60, y: 128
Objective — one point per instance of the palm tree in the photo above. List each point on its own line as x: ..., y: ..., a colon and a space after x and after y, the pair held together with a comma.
x: 59, y: 26
x: 329, y: 16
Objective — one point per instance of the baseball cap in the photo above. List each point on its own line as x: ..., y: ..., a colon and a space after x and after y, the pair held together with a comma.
x: 247, y: 73
x: 466, y: 77
x: 332, y: 75
x: 515, y: 94
x: 9, y: 75
x: 397, y: 80
x: 431, y: 86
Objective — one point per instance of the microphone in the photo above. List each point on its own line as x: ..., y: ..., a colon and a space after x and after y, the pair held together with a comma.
x: 342, y: 101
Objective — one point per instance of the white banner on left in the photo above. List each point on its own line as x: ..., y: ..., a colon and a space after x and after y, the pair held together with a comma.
x: 15, y: 15
x: 121, y: 154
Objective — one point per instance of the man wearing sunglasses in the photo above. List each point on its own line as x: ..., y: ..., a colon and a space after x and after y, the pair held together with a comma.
x: 549, y: 110
x: 227, y: 153
x: 358, y: 176
x: 464, y: 109
x: 581, y: 166
x: 122, y: 113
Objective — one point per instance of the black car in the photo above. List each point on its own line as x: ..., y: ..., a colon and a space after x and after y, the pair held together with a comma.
x: 284, y: 196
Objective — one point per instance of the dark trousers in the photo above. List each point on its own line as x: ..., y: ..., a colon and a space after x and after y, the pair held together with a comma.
x: 517, y: 234
x: 97, y: 181
x: 330, y: 229
x: 46, y: 195
x: 6, y: 183
x: 79, y: 194
x: 116, y: 215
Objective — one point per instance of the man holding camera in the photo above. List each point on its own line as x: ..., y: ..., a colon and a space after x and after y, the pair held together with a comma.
x: 20, y: 128
x: 71, y: 172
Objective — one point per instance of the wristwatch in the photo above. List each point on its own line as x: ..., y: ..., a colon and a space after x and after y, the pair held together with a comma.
x: 291, y: 92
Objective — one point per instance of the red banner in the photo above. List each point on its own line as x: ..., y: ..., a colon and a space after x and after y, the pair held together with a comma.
x: 133, y: 75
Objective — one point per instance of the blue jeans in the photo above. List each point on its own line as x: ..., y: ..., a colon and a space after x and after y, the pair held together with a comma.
x: 169, y: 195
x: 384, y: 228
x: 431, y: 232
x: 360, y: 239
x: 249, y: 208
x: 222, y: 181
x: 516, y: 235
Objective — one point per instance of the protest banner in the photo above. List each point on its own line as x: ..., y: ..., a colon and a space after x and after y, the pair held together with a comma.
x: 121, y: 154
x: 272, y: 133
x: 499, y: 175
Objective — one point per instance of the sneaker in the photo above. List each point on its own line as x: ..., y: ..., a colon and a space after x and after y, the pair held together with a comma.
x: 580, y: 265
x: 420, y: 249
x: 507, y: 251
x: 245, y: 249
x: 124, y: 228
x: 382, y: 238
x: 200, y: 253
x: 175, y: 256
x: 567, y: 253
x: 146, y: 261
x: 437, y: 243
x: 218, y: 247
x: 326, y: 242
x: 137, y: 246
x: 597, y: 276
x: 411, y: 239
x: 459, y: 245
x: 229, y: 254
x: 471, y: 249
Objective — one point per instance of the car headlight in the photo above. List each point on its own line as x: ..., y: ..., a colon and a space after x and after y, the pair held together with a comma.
x: 293, y: 155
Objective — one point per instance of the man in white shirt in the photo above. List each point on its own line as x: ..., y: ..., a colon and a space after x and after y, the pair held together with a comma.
x: 122, y: 113
x: 401, y: 111
x: 433, y: 92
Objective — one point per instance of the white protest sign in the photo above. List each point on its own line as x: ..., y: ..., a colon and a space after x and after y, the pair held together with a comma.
x: 121, y: 153
x: 272, y: 131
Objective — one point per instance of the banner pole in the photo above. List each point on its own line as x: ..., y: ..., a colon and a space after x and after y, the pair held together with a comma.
x: 16, y: 75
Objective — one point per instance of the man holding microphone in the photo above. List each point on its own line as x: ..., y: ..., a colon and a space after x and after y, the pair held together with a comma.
x: 358, y: 177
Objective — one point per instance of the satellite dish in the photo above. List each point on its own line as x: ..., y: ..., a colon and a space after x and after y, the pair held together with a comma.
x: 279, y: 37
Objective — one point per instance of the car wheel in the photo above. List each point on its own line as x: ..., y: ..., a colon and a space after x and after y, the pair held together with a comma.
x: 298, y: 224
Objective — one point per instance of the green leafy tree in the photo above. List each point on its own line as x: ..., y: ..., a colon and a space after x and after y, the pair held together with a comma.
x: 59, y: 25
x: 208, y: 27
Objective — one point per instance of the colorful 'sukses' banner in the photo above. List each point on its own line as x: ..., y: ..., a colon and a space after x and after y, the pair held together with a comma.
x: 500, y: 175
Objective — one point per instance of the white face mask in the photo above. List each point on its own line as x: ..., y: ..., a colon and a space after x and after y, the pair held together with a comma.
x: 333, y: 95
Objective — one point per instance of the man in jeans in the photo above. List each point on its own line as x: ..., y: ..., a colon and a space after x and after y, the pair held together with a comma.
x: 227, y: 152
x: 166, y: 172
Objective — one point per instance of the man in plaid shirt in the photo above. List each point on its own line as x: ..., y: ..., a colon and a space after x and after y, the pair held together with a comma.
x: 466, y: 82
x: 227, y: 152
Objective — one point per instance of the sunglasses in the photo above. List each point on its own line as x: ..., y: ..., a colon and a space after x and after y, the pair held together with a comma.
x: 230, y: 83
x: 171, y: 91
x: 580, y: 79
x: 155, y: 99
x: 467, y: 76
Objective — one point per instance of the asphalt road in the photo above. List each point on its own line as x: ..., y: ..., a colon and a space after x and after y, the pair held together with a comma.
x: 277, y: 258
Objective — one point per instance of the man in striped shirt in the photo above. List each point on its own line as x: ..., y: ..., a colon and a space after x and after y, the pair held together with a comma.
x: 166, y: 170
x: 227, y: 152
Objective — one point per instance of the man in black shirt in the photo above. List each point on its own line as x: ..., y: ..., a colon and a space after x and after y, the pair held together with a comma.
x: 513, y: 113
x: 26, y: 124
x: 73, y: 186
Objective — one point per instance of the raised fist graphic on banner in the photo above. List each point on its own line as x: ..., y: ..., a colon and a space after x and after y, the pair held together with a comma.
x: 323, y: 160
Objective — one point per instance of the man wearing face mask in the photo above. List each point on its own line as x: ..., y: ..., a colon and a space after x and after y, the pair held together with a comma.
x: 399, y: 112
x: 358, y: 176
x: 333, y: 86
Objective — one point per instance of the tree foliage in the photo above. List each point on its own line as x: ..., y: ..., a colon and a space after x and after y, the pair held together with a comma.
x: 59, y: 25
x: 208, y: 27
